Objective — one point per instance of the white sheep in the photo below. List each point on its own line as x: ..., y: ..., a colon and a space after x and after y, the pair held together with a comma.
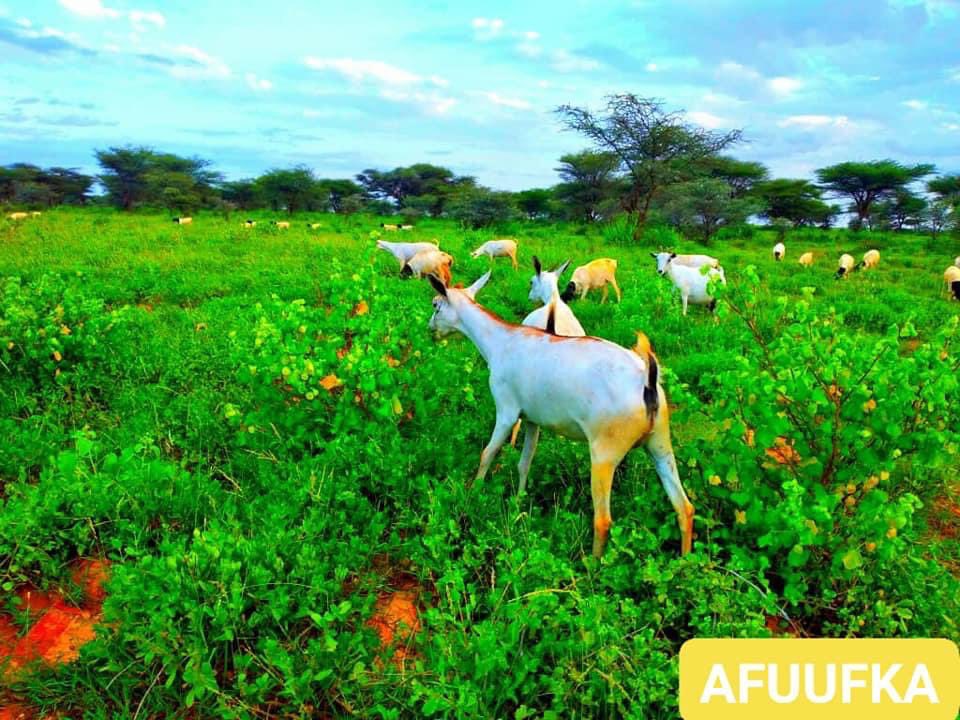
x: 583, y: 388
x: 779, y: 251
x: 183, y: 220
x: 871, y: 258
x: 846, y: 266
x: 249, y: 223
x: 498, y: 248
x: 429, y: 262
x: 595, y: 274
x: 404, y: 251
x: 389, y: 228
x: 691, y: 282
x: 281, y: 224
x: 951, y: 278
x: 313, y: 226
x: 806, y: 259
x: 17, y: 216
x: 406, y: 227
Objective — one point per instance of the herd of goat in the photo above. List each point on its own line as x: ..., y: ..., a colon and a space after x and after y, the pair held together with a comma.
x: 548, y: 373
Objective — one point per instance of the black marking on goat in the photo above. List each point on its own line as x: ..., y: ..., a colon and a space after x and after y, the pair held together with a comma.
x: 176, y: 220
x: 406, y: 270
x: 841, y: 271
x: 437, y: 285
x: 536, y: 264
x: 713, y: 305
x: 570, y: 293
x: 776, y: 256
x: 651, y: 394
x: 955, y: 286
x: 551, y: 326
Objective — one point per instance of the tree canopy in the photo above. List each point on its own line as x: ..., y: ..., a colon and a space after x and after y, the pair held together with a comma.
x: 866, y: 182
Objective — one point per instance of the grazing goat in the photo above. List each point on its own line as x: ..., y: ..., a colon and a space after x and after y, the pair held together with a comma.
x: 406, y: 227
x: 846, y: 266
x: 583, y: 388
x: 595, y: 274
x: 17, y: 216
x: 956, y: 261
x: 544, y: 288
x: 691, y: 282
x: 249, y: 223
x: 281, y: 224
x: 389, y: 228
x: 35, y: 213
x: 183, y: 220
x: 951, y: 277
x: 498, y: 248
x: 403, y: 252
x: 313, y: 226
x: 696, y: 261
x: 871, y: 258
x: 806, y: 259
x: 779, y: 251
x: 429, y: 262
x: 554, y: 316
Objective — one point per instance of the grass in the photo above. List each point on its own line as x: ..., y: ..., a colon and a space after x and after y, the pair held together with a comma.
x: 248, y: 562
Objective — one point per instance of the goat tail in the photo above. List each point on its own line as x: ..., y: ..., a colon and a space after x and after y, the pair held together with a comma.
x: 651, y: 391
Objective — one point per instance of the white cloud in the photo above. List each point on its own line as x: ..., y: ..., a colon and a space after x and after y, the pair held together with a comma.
x: 531, y: 35
x: 439, y: 81
x: 736, y: 69
x: 363, y: 70
x: 706, y: 119
x: 915, y: 104
x: 486, y: 28
x: 543, y: 83
x: 811, y: 122
x: 203, y: 65
x: 257, y: 84
x: 954, y: 73
x: 140, y: 19
x: 529, y: 48
x: 566, y: 61
x: 514, y: 103
x: 652, y: 67
x: 431, y: 102
x: 953, y: 127
x: 111, y: 48
x: 784, y: 86
x: 89, y: 8
x: 24, y: 22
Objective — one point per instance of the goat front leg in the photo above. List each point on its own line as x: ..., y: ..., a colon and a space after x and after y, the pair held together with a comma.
x: 501, y: 432
x: 526, y: 457
x: 603, y: 294
x: 684, y: 298
x: 602, y: 467
x: 616, y: 288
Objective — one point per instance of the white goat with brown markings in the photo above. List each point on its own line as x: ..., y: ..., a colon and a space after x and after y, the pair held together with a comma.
x: 583, y: 388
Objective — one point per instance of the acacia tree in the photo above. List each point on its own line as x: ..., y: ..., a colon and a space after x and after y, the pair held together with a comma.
x: 289, y: 189
x: 946, y: 188
x: 704, y: 205
x: 741, y: 175
x: 867, y: 182
x: 798, y: 201
x: 655, y: 148
x: 589, y: 183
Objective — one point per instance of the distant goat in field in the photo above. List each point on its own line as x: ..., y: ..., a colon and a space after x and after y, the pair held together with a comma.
x: 595, y: 274
x: 498, y: 248
x: 183, y: 220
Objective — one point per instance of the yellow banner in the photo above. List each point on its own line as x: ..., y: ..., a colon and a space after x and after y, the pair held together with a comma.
x: 821, y: 679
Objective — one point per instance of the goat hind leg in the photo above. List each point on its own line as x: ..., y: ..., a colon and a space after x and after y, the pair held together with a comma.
x: 501, y: 432
x: 661, y: 450
x: 526, y: 457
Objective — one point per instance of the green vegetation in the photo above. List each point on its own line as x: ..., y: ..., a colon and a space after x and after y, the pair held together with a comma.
x: 256, y: 427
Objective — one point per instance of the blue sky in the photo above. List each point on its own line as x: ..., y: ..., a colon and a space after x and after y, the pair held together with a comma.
x: 344, y: 86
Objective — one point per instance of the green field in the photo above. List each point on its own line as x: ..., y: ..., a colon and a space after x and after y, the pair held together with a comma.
x: 166, y: 403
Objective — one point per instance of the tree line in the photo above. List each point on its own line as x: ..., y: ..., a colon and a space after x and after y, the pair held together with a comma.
x: 645, y: 165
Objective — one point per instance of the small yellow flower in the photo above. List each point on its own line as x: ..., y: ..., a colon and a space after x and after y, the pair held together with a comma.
x: 715, y: 480
x: 851, y: 488
x: 871, y: 546
x: 870, y: 405
x: 884, y: 475
x: 57, y: 356
x: 64, y: 330
x: 892, y: 533
x: 850, y: 501
x: 741, y: 517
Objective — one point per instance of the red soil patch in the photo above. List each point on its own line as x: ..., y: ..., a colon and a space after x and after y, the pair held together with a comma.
x: 396, y: 614
x: 58, y: 630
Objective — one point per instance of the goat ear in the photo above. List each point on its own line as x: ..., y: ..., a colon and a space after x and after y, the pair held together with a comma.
x: 536, y: 264
x: 653, y: 255
x: 562, y: 268
x: 437, y: 285
x: 478, y: 284
x: 672, y: 255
